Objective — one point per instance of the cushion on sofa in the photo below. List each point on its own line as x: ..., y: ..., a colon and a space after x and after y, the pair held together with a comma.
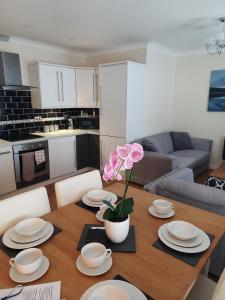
x: 179, y: 162
x: 181, y: 140
x: 149, y: 146
x: 162, y: 142
x: 198, y: 156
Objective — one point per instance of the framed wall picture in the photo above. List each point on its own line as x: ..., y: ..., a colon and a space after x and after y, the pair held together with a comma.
x: 217, y: 91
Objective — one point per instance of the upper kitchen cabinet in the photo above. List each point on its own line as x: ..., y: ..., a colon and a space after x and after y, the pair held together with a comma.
x: 86, y: 87
x: 55, y: 86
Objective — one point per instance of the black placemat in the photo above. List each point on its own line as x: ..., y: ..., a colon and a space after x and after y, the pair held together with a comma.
x: 90, y: 208
x: 119, y: 277
x: 13, y: 252
x: 189, y: 258
x: 95, y: 235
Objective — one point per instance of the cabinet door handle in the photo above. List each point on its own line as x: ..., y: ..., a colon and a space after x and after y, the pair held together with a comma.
x: 59, y: 99
x: 6, y: 152
x: 62, y: 86
x: 100, y: 100
x: 94, y: 92
x: 75, y: 154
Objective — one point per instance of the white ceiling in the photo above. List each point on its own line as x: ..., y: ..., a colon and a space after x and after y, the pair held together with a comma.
x: 99, y: 25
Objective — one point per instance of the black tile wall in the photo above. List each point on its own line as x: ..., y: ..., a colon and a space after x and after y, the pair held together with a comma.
x: 17, y: 105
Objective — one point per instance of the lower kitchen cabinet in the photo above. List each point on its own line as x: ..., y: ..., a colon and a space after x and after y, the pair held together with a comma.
x: 88, y: 153
x: 62, y: 156
x: 7, y: 173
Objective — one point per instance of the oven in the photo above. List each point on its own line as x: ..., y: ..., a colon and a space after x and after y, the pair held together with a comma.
x: 31, y: 162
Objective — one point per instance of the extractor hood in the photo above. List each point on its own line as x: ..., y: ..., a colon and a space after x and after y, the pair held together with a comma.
x: 10, y: 72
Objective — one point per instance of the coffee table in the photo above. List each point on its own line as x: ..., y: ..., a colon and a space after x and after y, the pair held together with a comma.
x: 219, y: 172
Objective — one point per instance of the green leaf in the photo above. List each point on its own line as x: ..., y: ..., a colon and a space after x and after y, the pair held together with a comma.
x: 109, y: 214
x: 124, y: 208
x: 108, y: 203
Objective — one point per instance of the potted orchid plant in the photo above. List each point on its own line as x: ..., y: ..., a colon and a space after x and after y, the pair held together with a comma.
x: 122, y: 159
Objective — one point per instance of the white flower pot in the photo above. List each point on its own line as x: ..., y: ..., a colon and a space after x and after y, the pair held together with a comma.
x: 117, y: 231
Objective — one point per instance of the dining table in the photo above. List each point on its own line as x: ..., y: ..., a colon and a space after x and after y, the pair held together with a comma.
x: 158, y: 274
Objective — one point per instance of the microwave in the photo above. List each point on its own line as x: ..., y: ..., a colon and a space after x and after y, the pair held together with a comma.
x: 91, y: 122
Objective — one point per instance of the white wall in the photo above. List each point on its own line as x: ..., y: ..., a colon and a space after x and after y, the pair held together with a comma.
x: 138, y: 55
x: 159, y: 90
x: 192, y: 78
x: 33, y: 52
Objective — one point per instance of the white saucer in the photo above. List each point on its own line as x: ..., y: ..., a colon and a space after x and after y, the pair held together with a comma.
x: 94, y: 271
x: 99, y: 216
x: 200, y: 248
x: 133, y: 292
x: 22, y: 278
x: 15, y: 237
x: 155, y: 214
x: 13, y: 245
x: 87, y: 201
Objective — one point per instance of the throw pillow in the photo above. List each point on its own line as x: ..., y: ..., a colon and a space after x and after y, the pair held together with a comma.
x: 148, y: 146
x: 216, y: 182
x: 181, y: 141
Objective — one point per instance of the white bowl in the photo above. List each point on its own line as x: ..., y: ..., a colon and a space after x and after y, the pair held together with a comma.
x: 98, y: 195
x: 183, y: 230
x: 30, y: 227
x: 109, y: 292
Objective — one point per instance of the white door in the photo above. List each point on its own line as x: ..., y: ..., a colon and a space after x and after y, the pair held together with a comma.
x: 113, y: 97
x: 68, y: 87
x: 107, y: 144
x: 86, y: 87
x: 7, y: 173
x: 50, y: 86
x: 62, y: 156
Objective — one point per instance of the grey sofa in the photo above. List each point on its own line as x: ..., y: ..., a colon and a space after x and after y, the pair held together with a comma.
x: 179, y: 185
x: 164, y: 159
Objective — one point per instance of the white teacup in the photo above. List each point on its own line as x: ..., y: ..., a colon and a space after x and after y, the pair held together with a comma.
x: 93, y: 255
x: 27, y: 261
x: 162, y: 207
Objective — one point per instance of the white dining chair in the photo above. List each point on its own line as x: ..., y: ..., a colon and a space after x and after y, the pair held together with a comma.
x: 72, y: 189
x: 34, y: 203
x: 206, y: 289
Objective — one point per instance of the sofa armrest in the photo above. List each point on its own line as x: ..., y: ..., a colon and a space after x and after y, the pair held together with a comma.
x: 152, y: 166
x: 202, y: 144
x: 183, y: 173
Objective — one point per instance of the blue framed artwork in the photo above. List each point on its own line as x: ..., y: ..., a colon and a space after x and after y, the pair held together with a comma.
x: 217, y: 91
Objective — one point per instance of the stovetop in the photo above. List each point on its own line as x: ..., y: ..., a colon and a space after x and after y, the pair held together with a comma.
x: 18, y: 137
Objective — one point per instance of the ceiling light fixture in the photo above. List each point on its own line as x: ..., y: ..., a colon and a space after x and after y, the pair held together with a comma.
x: 215, y: 44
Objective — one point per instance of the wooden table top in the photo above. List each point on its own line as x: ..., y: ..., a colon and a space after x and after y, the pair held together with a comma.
x: 153, y: 271
x: 219, y: 172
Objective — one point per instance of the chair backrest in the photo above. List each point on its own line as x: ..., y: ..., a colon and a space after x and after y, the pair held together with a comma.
x: 72, y: 189
x: 219, y: 293
x: 34, y: 203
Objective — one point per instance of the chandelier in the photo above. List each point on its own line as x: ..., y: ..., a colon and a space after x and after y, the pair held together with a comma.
x: 215, y: 44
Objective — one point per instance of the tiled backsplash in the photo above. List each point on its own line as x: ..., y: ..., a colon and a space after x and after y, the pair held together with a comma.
x: 16, y: 110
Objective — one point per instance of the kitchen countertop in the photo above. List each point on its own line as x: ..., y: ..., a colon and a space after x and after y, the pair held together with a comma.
x: 42, y: 136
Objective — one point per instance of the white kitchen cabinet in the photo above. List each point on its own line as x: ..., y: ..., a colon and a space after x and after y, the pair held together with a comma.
x: 107, y: 144
x: 7, y: 173
x: 62, y: 156
x: 86, y: 87
x: 55, y: 86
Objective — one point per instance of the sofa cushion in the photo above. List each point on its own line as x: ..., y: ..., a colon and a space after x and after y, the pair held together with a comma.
x: 181, y: 140
x: 199, y: 156
x: 179, y: 162
x: 149, y: 146
x: 162, y: 142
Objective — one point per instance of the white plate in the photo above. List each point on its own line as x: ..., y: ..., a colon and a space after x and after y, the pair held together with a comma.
x: 29, y: 239
x: 9, y: 243
x: 153, y: 212
x: 22, y: 278
x: 98, y: 195
x: 99, y: 216
x: 133, y: 292
x: 183, y: 230
x: 94, y: 271
x: 87, y: 201
x: 200, y: 248
x: 109, y: 292
x: 30, y: 226
x: 189, y: 244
